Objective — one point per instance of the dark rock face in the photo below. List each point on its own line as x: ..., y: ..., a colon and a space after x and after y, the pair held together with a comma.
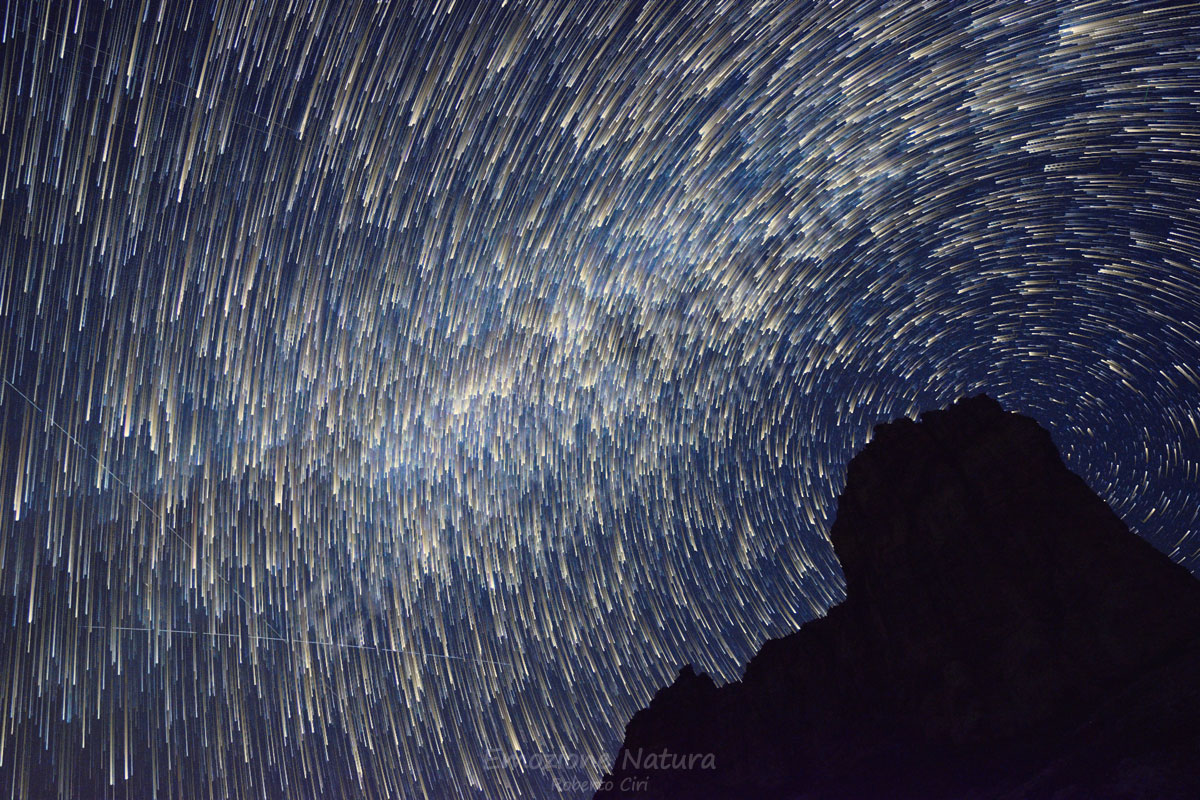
x: 1004, y: 636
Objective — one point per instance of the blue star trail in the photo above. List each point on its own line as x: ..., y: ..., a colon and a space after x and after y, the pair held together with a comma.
x: 392, y: 390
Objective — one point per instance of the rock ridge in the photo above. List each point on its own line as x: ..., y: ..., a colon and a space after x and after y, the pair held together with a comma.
x: 1004, y: 635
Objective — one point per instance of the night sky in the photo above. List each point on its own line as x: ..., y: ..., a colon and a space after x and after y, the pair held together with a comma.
x: 393, y: 393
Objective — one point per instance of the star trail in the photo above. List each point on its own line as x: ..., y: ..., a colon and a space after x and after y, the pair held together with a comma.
x: 395, y: 390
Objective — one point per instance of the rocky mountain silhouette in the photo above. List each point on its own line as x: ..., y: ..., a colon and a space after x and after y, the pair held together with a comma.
x: 1004, y: 635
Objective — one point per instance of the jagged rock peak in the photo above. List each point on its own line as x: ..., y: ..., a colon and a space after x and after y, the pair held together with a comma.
x: 1004, y: 635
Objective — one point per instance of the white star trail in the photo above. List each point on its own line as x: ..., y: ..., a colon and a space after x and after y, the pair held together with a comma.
x: 388, y: 386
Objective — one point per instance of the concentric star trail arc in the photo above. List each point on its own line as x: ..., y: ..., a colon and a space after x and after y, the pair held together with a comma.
x: 393, y: 389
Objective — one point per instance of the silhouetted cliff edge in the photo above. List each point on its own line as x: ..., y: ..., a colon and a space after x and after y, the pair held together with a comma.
x: 1004, y: 635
